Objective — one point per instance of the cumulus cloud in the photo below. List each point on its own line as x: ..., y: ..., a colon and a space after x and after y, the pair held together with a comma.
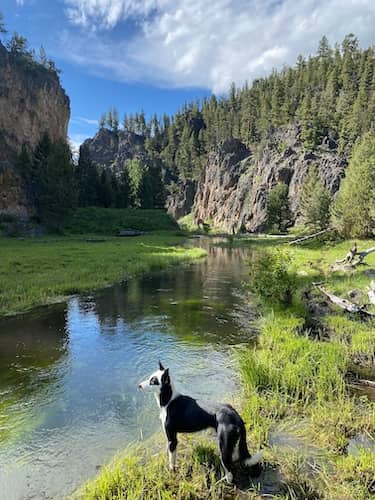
x: 205, y: 43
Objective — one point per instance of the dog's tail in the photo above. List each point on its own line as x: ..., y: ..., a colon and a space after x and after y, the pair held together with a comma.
x: 251, y: 461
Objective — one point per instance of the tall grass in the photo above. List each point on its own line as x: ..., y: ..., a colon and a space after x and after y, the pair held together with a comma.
x: 290, y: 380
x: 38, y: 271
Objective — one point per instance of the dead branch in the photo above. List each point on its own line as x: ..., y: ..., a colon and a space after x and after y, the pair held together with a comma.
x: 310, y: 236
x: 362, y: 256
x: 352, y: 254
x: 349, y: 256
x: 371, y: 293
x: 368, y: 383
x: 344, y: 303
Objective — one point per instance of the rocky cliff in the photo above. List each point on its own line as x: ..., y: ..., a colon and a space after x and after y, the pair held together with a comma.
x: 112, y: 149
x: 32, y: 102
x: 233, y: 188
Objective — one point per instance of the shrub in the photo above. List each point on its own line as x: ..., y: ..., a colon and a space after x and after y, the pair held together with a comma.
x: 271, y: 277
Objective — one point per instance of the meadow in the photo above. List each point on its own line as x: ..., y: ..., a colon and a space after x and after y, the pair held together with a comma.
x: 38, y: 271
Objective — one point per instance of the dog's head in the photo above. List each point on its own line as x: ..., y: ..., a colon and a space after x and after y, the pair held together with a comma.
x: 157, y: 380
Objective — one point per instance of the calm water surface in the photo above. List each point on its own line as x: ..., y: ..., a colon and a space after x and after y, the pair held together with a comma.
x: 69, y: 372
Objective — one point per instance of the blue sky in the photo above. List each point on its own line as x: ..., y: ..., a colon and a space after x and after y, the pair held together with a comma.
x: 157, y: 54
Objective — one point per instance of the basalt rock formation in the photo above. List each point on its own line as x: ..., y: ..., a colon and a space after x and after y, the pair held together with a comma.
x: 32, y: 102
x: 233, y: 188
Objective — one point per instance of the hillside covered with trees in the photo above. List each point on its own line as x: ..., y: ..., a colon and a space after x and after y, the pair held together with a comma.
x: 329, y: 97
x: 329, y: 94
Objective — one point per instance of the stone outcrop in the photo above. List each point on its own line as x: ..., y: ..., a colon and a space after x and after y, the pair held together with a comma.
x: 32, y: 102
x: 111, y: 149
x: 180, y: 198
x: 233, y: 188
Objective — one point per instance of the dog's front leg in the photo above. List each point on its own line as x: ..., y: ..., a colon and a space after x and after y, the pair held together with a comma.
x: 171, y: 447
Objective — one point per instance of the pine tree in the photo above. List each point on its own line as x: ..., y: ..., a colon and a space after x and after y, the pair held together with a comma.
x: 17, y: 44
x: 105, y: 194
x: 57, y: 190
x: 278, y: 209
x: 115, y: 120
x: 2, y: 25
x: 314, y: 202
x: 88, y: 179
x: 43, y: 56
x: 102, y: 121
x: 353, y: 210
x: 123, y: 191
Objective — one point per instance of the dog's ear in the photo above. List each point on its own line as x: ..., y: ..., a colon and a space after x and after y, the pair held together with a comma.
x: 165, y: 377
x: 161, y: 367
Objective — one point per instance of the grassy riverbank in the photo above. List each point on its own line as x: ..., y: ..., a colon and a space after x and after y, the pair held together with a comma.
x: 297, y: 401
x: 43, y: 270
x: 297, y: 380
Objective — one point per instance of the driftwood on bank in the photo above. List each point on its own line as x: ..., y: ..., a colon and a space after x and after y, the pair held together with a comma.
x: 371, y: 293
x: 344, y: 303
x: 353, y: 258
x: 368, y: 383
x: 309, y: 237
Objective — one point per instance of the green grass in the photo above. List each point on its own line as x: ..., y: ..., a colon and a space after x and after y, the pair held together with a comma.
x: 143, y: 474
x: 110, y: 221
x: 291, y: 381
x: 39, y: 271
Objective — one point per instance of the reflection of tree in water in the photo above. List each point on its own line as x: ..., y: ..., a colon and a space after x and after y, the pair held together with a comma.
x: 196, y: 302
x: 31, y: 345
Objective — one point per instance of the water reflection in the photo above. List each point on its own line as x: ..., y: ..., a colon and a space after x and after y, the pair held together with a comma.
x: 68, y: 373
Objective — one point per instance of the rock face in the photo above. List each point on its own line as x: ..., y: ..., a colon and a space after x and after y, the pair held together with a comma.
x: 181, y: 198
x: 32, y: 102
x: 233, y: 188
x: 112, y: 149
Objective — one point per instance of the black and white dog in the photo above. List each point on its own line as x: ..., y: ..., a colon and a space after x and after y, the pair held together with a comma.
x: 180, y: 413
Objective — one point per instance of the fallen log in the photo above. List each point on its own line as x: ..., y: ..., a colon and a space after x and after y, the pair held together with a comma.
x: 310, y: 236
x: 344, y: 303
x: 371, y: 293
x: 349, y: 256
x: 362, y: 255
x: 368, y: 383
x: 353, y: 253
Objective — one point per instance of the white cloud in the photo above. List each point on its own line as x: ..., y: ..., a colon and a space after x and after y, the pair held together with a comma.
x: 82, y: 120
x: 205, y: 43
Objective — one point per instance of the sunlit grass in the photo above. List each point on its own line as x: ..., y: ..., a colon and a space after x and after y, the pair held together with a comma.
x: 38, y: 271
x: 290, y: 379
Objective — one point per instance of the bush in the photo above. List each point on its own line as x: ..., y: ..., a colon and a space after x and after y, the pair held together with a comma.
x: 271, y: 277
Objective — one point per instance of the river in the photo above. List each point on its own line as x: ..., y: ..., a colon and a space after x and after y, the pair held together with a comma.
x: 69, y: 372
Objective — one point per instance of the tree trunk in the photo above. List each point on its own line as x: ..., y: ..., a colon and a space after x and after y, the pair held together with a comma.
x: 310, y: 236
x: 344, y: 303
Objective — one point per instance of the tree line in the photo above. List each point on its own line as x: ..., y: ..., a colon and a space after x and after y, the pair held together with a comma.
x: 330, y: 94
x: 18, y: 48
